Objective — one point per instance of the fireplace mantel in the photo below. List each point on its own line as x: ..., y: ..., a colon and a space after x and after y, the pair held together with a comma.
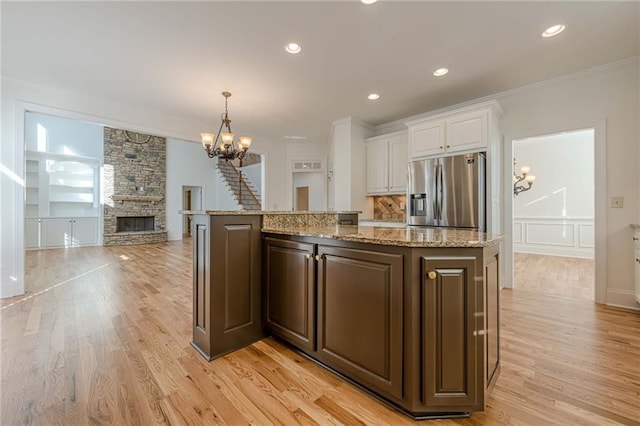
x: 140, y: 198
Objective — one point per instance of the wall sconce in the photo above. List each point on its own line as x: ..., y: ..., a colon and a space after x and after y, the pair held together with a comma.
x: 519, y: 178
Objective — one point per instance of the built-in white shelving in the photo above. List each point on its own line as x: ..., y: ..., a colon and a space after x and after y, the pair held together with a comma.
x: 61, y: 186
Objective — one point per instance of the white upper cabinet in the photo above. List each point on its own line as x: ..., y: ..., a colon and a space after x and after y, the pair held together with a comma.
x: 427, y: 138
x: 467, y: 131
x: 458, y: 131
x: 387, y: 157
x: 398, y: 157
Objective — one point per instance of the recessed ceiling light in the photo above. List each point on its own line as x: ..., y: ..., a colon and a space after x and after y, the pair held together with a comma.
x: 293, y: 48
x: 373, y: 97
x: 554, y: 30
x: 440, y: 72
x: 368, y: 2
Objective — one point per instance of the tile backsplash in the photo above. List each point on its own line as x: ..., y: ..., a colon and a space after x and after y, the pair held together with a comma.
x: 390, y: 207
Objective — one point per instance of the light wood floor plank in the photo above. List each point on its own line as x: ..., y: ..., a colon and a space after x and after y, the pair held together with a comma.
x: 102, y: 337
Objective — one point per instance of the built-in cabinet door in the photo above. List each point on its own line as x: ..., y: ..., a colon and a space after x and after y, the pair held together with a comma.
x: 32, y: 233
x: 398, y: 157
x: 290, y: 291
x: 57, y: 232
x: 467, y: 131
x: 449, y: 342
x: 85, y: 231
x: 427, y: 139
x: 360, y: 316
x: 377, y: 167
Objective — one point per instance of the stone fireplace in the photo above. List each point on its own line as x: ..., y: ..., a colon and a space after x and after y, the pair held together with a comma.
x: 134, y: 188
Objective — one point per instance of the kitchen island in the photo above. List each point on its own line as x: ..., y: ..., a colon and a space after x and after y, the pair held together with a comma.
x: 410, y: 315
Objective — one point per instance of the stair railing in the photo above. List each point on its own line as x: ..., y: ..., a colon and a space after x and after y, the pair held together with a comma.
x: 242, y: 182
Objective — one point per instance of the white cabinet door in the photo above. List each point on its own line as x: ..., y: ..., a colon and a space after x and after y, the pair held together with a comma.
x: 467, y: 131
x: 32, y: 233
x: 427, y: 139
x: 377, y: 167
x: 56, y: 232
x: 398, y: 158
x: 85, y: 231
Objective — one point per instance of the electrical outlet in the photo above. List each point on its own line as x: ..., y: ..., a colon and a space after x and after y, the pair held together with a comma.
x: 617, y: 202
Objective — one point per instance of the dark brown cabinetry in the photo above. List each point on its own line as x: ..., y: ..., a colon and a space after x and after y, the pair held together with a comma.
x: 227, y: 293
x: 360, y: 316
x: 449, y: 340
x: 492, y: 309
x: 290, y: 299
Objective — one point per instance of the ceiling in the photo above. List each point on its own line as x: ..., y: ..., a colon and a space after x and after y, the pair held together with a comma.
x: 176, y: 57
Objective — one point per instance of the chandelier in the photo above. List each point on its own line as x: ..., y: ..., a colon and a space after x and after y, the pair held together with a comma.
x: 519, y: 178
x: 225, y: 148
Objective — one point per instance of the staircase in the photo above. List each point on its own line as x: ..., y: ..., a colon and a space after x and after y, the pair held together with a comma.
x: 240, y: 186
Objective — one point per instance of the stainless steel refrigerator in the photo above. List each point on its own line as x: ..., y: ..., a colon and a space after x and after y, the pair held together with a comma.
x: 448, y: 191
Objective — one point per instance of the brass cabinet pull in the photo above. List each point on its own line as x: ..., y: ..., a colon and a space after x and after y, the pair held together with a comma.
x: 441, y: 147
x: 636, y: 238
x: 637, y: 260
x: 308, y: 255
x: 318, y: 257
x: 432, y: 275
x: 448, y: 146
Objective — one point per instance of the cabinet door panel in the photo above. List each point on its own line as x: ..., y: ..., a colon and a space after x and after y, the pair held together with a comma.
x: 377, y: 167
x: 32, y: 233
x: 56, y: 233
x: 426, y: 139
x: 360, y: 316
x: 85, y: 231
x: 449, y: 340
x: 290, y: 299
x: 466, y: 131
x: 398, y: 157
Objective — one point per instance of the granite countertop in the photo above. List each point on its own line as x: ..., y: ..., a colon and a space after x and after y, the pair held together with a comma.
x: 383, y: 220
x: 263, y: 212
x: 405, y: 237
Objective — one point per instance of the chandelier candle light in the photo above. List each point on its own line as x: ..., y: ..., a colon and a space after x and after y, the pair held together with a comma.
x: 524, y: 177
x: 225, y: 149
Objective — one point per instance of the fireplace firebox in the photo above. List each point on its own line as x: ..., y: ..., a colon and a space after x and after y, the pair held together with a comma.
x: 134, y: 223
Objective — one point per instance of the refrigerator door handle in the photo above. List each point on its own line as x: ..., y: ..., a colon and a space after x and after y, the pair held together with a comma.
x: 439, y: 193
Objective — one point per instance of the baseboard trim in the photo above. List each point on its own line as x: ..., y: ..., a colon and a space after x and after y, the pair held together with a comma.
x: 553, y: 251
x: 622, y: 299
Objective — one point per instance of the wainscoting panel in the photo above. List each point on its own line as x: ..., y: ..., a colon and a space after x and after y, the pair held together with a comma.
x: 559, y: 236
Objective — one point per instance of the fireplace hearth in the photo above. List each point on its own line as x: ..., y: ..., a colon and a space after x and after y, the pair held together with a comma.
x: 134, y: 223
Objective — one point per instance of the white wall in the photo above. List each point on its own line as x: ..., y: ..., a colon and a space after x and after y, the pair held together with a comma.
x: 564, y: 170
x: 187, y: 165
x: 19, y: 96
x: 312, y: 152
x: 64, y: 136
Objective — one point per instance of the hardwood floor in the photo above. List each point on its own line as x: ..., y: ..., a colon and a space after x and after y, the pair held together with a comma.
x: 103, y: 338
x: 555, y: 275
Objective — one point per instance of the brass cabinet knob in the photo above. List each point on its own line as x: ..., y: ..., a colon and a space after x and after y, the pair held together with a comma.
x: 448, y: 146
x: 308, y: 255
x: 318, y: 257
x: 432, y: 275
x: 441, y: 146
x: 635, y: 238
x: 637, y: 260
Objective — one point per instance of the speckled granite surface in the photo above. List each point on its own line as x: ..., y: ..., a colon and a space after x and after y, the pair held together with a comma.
x: 405, y: 237
x: 264, y: 212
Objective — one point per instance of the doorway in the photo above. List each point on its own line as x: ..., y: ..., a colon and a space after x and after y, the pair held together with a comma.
x: 553, y: 218
x: 191, y: 200
x: 302, y: 198
x: 309, y: 184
